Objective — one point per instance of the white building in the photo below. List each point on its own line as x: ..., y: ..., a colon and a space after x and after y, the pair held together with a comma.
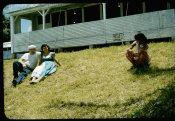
x: 84, y: 24
x: 7, y: 50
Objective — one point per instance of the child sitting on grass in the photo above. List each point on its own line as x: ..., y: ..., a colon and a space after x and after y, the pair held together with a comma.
x: 141, y: 57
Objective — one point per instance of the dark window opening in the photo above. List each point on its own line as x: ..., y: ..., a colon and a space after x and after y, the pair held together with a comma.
x: 6, y: 49
x: 92, y: 13
x: 48, y: 18
x: 113, y: 10
x: 154, y: 5
x: 74, y: 16
x: 172, y: 3
x: 58, y: 19
x: 132, y: 7
x: 40, y: 19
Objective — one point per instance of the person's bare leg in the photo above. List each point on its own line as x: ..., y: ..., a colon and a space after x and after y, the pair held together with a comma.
x: 34, y: 78
x: 40, y: 79
x: 37, y: 80
x: 129, y: 58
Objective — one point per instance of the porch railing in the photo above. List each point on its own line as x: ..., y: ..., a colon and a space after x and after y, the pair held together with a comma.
x: 157, y: 24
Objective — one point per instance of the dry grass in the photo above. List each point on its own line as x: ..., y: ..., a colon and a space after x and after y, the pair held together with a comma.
x: 93, y: 83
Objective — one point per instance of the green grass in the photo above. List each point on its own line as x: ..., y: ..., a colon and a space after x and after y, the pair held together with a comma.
x: 162, y: 107
x: 93, y: 83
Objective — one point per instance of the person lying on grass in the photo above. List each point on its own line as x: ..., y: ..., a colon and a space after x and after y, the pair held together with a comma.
x: 141, y: 57
x: 46, y: 65
x: 25, y: 65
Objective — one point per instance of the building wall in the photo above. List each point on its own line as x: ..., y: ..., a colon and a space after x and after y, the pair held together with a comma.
x: 47, y: 25
x: 158, y: 24
x: 17, y: 25
x: 34, y: 23
x: 7, y: 54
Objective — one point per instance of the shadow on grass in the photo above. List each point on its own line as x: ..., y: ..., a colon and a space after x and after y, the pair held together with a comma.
x: 152, y: 70
x: 59, y: 104
x: 162, y: 107
x: 56, y: 103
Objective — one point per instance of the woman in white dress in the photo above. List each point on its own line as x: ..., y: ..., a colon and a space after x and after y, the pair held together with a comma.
x: 46, y: 65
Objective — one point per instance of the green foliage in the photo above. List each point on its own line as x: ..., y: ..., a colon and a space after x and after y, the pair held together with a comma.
x: 6, y: 28
x: 96, y: 83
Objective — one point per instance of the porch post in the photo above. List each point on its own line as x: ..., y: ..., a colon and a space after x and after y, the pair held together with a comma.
x: 121, y: 8
x: 43, y: 17
x: 65, y: 17
x: 104, y: 11
x: 12, y: 33
x: 168, y: 5
x: 101, y: 11
x: 43, y: 14
x: 144, y: 7
x: 104, y: 19
x: 83, y: 14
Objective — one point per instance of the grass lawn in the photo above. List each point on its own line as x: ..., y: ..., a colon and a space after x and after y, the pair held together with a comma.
x: 93, y: 83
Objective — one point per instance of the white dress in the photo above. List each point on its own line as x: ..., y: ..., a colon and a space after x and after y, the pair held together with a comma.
x: 47, y: 67
x: 38, y: 70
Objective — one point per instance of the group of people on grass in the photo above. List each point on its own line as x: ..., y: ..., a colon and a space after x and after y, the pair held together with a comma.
x: 46, y: 61
x: 29, y: 61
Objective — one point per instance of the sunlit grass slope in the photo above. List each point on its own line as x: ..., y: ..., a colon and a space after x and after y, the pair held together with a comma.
x: 93, y: 83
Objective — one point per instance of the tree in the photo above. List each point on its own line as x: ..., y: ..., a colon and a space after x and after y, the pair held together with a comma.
x: 6, y: 28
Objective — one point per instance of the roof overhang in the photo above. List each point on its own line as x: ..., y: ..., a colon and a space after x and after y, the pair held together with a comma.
x: 64, y: 6
x: 37, y: 8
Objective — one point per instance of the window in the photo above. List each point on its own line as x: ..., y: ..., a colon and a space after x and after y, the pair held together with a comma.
x: 26, y: 25
x: 92, y: 13
x: 40, y: 19
x: 74, y: 16
x: 132, y: 7
x: 48, y: 18
x: 172, y: 3
x: 153, y: 5
x: 113, y: 10
x: 58, y: 19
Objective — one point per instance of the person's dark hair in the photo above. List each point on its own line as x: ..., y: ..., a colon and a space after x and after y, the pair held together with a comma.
x: 142, y: 38
x: 45, y: 45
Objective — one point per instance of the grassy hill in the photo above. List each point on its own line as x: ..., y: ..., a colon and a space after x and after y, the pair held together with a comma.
x: 96, y: 83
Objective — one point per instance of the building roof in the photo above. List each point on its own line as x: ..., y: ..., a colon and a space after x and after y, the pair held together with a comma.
x: 36, y: 8
x: 63, y: 6
x: 6, y: 44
